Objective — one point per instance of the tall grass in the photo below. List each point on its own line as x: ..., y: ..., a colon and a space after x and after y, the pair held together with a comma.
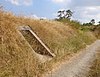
x: 95, y: 69
x: 16, y: 57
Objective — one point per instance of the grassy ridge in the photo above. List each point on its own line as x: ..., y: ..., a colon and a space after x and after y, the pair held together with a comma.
x: 16, y: 57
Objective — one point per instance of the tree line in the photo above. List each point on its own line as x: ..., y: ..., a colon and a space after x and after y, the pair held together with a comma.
x: 67, y: 14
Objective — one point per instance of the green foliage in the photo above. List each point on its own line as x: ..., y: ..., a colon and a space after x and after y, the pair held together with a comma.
x: 72, y: 44
x: 63, y: 20
x: 78, y: 42
x: 74, y: 23
x: 87, y: 24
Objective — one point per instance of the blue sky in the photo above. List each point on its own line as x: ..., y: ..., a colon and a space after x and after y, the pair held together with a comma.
x: 84, y: 10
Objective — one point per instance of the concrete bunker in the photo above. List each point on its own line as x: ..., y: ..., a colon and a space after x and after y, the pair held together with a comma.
x: 35, y: 42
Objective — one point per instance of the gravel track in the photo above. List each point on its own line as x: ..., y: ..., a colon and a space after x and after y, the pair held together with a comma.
x: 78, y: 66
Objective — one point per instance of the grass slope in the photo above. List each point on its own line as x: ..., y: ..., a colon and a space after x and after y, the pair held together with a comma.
x: 16, y: 57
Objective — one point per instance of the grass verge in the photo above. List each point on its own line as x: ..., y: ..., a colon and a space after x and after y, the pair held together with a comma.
x: 95, y: 69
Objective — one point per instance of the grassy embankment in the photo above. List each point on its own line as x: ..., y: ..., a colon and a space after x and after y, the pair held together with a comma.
x: 95, y: 69
x: 16, y: 57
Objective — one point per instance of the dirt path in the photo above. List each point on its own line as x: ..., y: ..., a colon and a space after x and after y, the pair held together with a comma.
x: 79, y: 65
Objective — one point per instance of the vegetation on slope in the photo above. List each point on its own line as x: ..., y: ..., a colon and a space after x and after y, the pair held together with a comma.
x: 95, y: 69
x: 16, y: 57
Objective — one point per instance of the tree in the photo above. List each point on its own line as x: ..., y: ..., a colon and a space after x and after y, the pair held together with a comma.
x: 65, y: 14
x: 61, y: 14
x: 99, y: 22
x: 68, y: 14
x: 92, y: 21
x: 87, y: 24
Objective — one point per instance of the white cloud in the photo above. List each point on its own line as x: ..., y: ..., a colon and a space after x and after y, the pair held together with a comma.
x: 27, y: 2
x: 13, y: 2
x: 34, y: 16
x: 43, y: 18
x: 21, y: 2
x: 61, y: 1
x: 85, y: 3
x: 85, y: 14
x: 58, y: 1
x: 84, y: 10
